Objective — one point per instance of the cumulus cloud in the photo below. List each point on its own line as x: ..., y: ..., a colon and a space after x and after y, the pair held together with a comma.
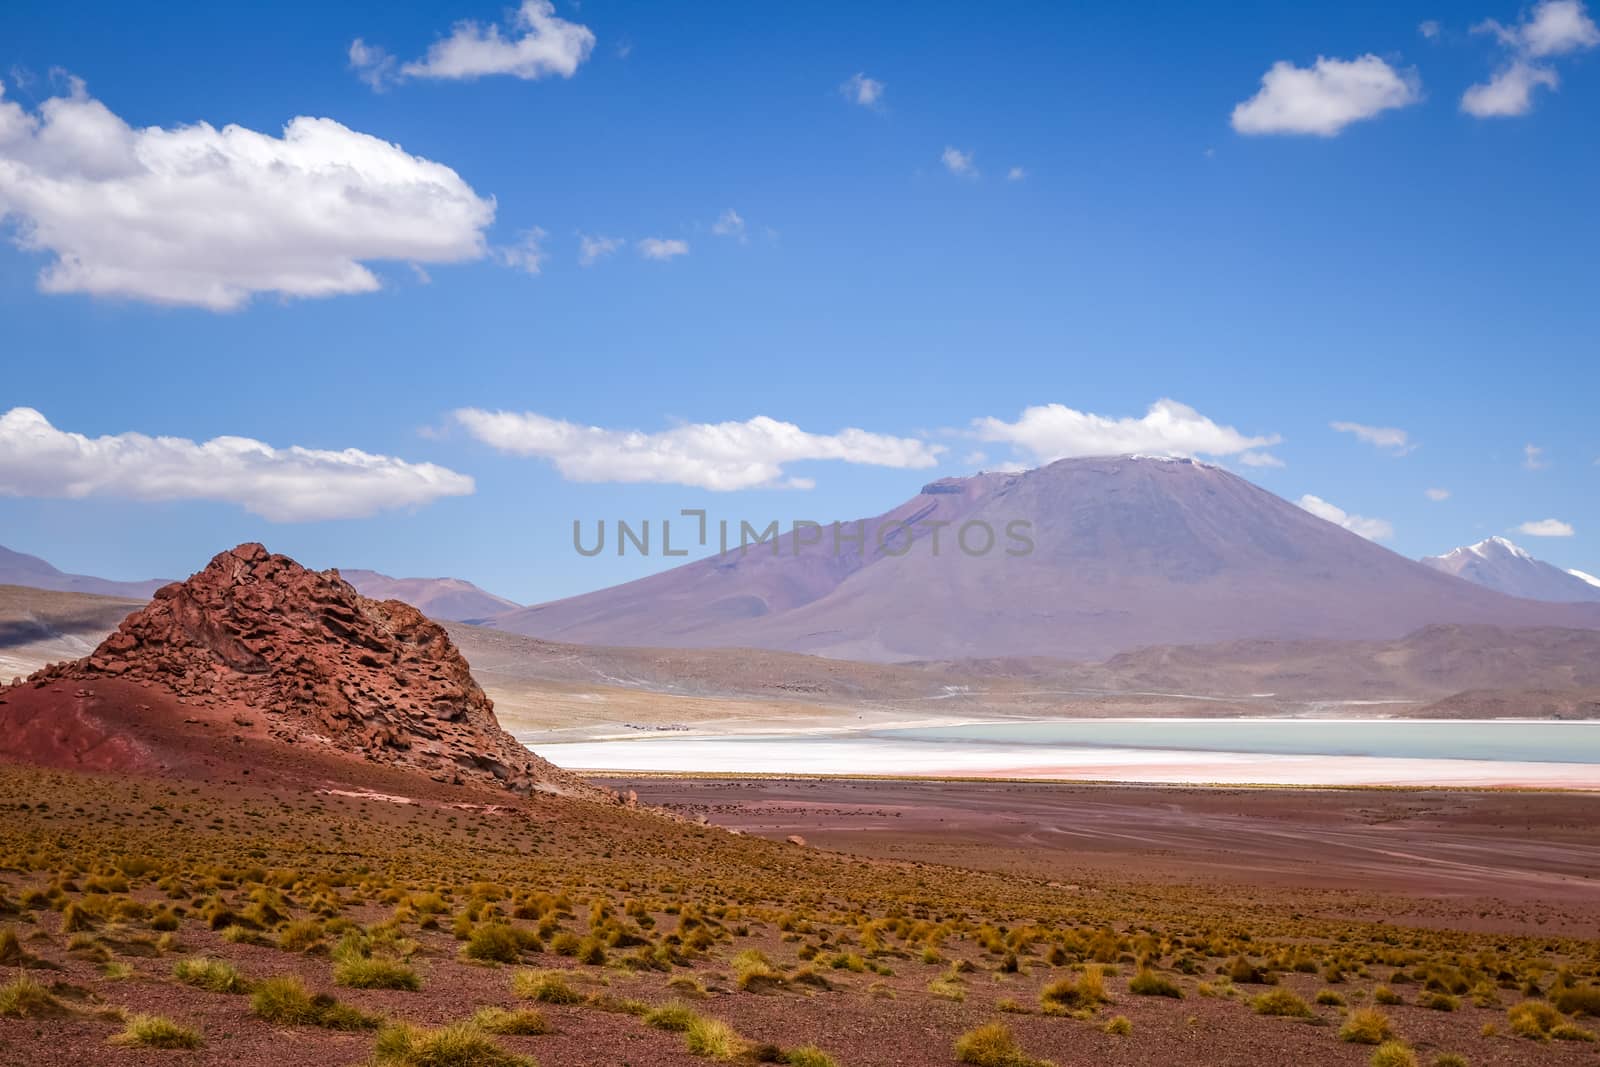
x: 716, y: 456
x: 1552, y: 28
x: 1430, y: 29
x: 730, y: 224
x: 1327, y: 96
x: 205, y: 217
x: 1049, y: 432
x: 1533, y: 458
x: 1371, y: 529
x: 1388, y: 438
x: 592, y: 250
x: 958, y: 162
x: 1016, y: 174
x: 662, y: 248
x: 862, y: 90
x: 280, y: 484
x: 536, y: 44
x: 1510, y: 92
x: 1437, y: 495
x: 1546, y: 528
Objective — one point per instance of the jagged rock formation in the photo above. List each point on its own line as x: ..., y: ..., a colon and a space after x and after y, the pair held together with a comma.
x: 319, y: 664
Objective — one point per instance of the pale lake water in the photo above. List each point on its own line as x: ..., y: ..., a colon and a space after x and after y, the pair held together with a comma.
x: 1265, y: 751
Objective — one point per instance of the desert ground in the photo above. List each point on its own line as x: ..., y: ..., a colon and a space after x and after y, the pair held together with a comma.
x: 337, y: 925
x: 302, y: 866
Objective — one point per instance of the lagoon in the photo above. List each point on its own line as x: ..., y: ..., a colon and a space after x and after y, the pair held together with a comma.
x: 1239, y: 751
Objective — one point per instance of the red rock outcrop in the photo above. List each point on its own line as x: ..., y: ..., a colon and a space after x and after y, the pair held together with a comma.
x: 317, y: 663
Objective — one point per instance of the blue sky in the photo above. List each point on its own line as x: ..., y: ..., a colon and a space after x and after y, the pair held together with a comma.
x: 1356, y: 246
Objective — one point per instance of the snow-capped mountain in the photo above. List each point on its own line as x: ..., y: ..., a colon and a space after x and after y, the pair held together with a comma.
x: 1506, y: 568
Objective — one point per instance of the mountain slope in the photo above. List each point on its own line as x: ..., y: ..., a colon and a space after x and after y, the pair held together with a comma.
x: 1128, y: 552
x: 451, y: 599
x: 1502, y: 566
x: 18, y: 568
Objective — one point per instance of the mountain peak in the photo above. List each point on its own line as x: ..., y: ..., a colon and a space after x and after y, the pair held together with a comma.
x: 1499, y: 564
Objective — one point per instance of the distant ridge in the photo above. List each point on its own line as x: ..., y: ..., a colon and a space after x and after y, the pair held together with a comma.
x: 1495, y: 563
x: 450, y: 599
x: 19, y: 568
x: 1129, y: 552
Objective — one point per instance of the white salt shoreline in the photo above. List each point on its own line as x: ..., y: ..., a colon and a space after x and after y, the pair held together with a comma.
x: 856, y: 752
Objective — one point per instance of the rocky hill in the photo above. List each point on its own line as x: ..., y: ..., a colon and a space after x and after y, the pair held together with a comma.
x: 299, y: 657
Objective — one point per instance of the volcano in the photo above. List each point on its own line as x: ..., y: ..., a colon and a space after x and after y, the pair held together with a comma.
x: 1125, y: 552
x: 258, y: 658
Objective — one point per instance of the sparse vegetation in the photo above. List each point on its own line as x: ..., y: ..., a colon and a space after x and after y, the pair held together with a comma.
x: 712, y: 1038
x: 1088, y: 990
x: 1393, y: 1054
x: 1281, y: 1002
x: 549, y: 987
x: 634, y: 934
x: 520, y: 1021
x: 1147, y: 983
x: 215, y: 976
x: 287, y: 1002
x: 154, y: 1031
x: 24, y: 998
x: 1366, y: 1026
x: 457, y: 1045
x: 993, y: 1045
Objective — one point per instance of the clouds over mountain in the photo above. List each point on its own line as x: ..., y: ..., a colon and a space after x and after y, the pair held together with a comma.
x: 718, y: 456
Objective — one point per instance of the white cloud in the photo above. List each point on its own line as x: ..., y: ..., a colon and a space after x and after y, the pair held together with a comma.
x: 199, y: 216
x: 1510, y: 92
x: 1326, y: 97
x: 1371, y: 529
x: 1533, y: 458
x: 1016, y: 174
x: 527, y: 254
x: 716, y: 456
x: 958, y: 162
x: 1546, y: 528
x: 662, y: 248
x: 372, y: 64
x: 536, y: 44
x: 1260, y: 459
x: 729, y: 224
x: 860, y: 89
x: 592, y: 250
x: 1049, y: 432
x: 1552, y: 28
x: 1388, y: 438
x: 1430, y: 29
x: 1437, y: 495
x: 281, y: 484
